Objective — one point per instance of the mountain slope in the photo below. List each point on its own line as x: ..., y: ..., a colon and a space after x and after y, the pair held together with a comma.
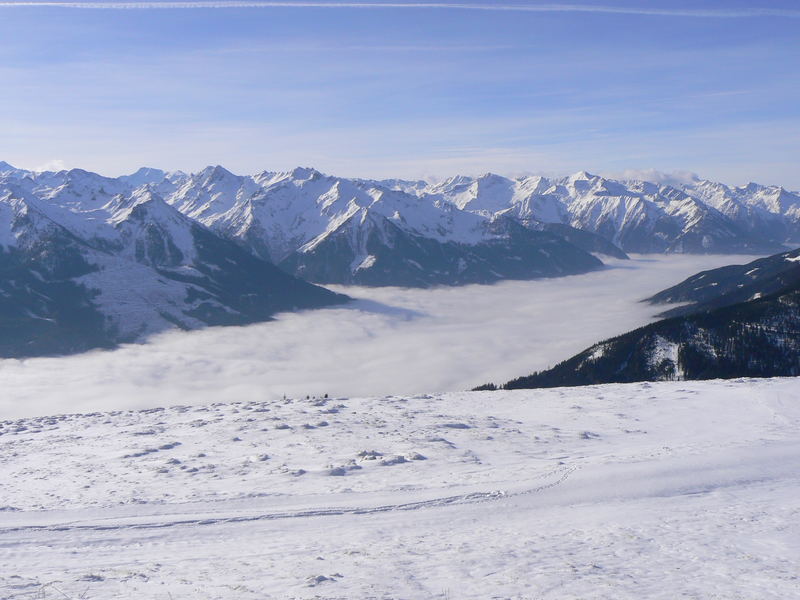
x: 369, y: 249
x: 585, y: 240
x: 760, y: 338
x: 769, y: 211
x: 83, y: 271
x: 733, y: 284
x: 44, y: 306
x: 529, y: 200
x: 333, y: 230
x: 636, y: 216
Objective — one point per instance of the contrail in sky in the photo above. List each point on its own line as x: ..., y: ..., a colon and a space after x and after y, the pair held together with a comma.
x: 532, y: 8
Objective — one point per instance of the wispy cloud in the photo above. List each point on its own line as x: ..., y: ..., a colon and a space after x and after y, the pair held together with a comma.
x: 52, y: 165
x: 656, y: 176
x: 396, y: 94
x: 537, y: 8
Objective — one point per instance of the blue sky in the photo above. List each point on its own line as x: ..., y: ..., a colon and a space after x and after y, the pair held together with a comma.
x: 709, y: 87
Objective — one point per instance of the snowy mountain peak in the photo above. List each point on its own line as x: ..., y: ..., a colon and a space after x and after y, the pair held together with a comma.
x: 581, y: 176
x: 143, y: 176
x: 265, y: 177
x: 305, y: 173
x: 492, y: 177
x: 456, y: 180
x: 77, y: 174
x: 212, y: 174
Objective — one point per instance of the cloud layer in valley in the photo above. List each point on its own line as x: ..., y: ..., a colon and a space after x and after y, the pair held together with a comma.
x: 390, y: 341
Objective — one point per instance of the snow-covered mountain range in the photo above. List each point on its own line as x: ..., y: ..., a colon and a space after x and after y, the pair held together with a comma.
x: 118, y: 258
x: 335, y: 230
x: 89, y: 262
x: 463, y: 230
x: 280, y: 213
x: 638, y: 216
x: 326, y: 229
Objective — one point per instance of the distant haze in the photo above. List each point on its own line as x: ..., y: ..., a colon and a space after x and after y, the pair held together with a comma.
x: 390, y: 341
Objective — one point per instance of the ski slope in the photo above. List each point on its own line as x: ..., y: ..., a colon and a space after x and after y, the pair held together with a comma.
x: 663, y: 490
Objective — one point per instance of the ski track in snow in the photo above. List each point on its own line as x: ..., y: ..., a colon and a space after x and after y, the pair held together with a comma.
x: 664, y: 490
x: 122, y: 523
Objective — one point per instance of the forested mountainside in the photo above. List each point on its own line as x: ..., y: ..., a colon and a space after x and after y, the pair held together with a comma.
x: 760, y: 338
x: 744, y: 322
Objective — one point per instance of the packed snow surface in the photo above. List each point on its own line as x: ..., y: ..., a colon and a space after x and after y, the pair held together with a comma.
x: 667, y: 490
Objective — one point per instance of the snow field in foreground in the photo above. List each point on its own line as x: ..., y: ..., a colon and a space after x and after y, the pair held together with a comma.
x: 667, y: 490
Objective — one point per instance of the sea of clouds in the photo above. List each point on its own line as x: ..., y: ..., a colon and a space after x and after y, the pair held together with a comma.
x: 388, y: 341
